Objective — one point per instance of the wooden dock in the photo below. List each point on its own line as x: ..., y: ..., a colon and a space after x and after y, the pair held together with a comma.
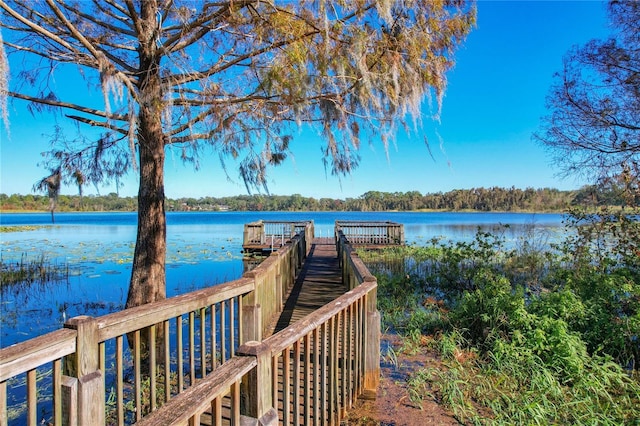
x: 318, y: 283
x: 284, y: 343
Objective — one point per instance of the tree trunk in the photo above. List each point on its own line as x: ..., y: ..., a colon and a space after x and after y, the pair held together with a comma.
x: 148, y: 273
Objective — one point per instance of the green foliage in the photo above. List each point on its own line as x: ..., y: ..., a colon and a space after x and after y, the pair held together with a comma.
x: 526, y: 336
x: 491, y: 311
x: 402, y: 310
x: 476, y: 199
x: 601, y: 266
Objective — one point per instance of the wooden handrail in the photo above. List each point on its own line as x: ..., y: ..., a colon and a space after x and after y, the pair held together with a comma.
x: 204, y: 395
x: 128, y: 320
x: 22, y: 357
x: 285, y: 338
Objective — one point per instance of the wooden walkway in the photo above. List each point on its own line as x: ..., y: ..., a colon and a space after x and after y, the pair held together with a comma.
x: 318, y: 283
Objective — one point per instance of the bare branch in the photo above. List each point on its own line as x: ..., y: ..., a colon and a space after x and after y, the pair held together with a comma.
x: 104, y: 124
x: 57, y: 103
x: 38, y: 29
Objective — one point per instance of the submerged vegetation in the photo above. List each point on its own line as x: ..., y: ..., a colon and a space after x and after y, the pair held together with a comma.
x: 526, y: 335
x: 20, y: 228
x: 28, y: 271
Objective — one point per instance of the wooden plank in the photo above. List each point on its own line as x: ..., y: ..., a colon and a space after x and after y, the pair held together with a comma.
x: 57, y: 392
x: 192, y: 349
x: 307, y: 379
x: 286, y: 384
x: 119, y: 381
x: 4, y: 418
x: 152, y: 368
x: 296, y: 383
x: 32, y: 409
x: 137, y: 380
x: 25, y: 356
x: 180, y: 353
x: 223, y: 333
x: 203, y: 342
x: 319, y: 282
x: 69, y: 391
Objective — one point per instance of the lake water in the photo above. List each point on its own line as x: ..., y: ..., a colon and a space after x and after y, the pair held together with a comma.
x: 203, y: 249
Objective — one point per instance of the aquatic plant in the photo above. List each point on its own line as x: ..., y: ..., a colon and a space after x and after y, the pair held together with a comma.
x: 28, y: 271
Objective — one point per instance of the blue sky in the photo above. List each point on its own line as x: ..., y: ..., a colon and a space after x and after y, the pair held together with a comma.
x: 493, y: 104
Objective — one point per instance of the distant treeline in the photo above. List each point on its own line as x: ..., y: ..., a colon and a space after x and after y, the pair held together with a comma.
x: 475, y: 199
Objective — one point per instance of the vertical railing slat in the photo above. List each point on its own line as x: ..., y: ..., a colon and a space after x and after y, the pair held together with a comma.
x: 240, y: 320
x: 3, y: 404
x: 307, y: 379
x: 232, y: 323
x: 137, y: 380
x: 57, y: 392
x: 32, y: 409
x: 358, y: 340
x: 316, y: 376
x: 274, y: 380
x: 223, y: 340
x: 286, y: 384
x: 214, y: 338
x: 167, y: 362
x: 333, y: 370
x: 203, y: 343
x: 119, y: 381
x: 235, y: 403
x: 343, y: 357
x: 192, y: 354
x: 323, y: 375
x: 216, y: 411
x: 180, y: 354
x: 351, y: 342
x: 152, y: 368
x: 296, y: 383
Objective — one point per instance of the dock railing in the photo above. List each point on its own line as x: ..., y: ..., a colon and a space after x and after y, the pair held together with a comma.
x: 365, y: 233
x: 202, y: 355
x: 265, y: 235
x: 310, y: 373
x: 95, y: 370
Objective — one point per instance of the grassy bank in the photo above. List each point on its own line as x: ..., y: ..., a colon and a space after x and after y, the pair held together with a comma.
x: 523, y: 336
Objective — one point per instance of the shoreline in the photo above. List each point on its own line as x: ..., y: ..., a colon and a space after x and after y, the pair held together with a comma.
x: 293, y: 211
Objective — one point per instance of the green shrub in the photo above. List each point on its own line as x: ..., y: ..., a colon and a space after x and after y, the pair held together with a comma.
x: 552, y: 334
x: 490, y: 311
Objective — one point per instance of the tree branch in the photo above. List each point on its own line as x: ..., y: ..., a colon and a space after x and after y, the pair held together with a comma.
x: 56, y: 103
x: 103, y: 124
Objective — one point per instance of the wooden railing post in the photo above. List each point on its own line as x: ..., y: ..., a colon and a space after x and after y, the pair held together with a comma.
x: 256, y: 392
x: 372, y: 345
x: 251, y: 319
x: 86, y: 365
x: 245, y: 235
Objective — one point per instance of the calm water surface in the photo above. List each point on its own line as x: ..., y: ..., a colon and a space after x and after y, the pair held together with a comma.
x: 203, y: 249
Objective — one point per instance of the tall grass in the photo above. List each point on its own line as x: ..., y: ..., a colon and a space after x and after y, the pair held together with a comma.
x: 28, y: 271
x: 524, y: 335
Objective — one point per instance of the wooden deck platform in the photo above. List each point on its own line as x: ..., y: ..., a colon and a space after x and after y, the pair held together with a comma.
x: 318, y: 283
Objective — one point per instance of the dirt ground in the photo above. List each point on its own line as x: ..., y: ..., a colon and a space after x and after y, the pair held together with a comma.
x: 393, y: 405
